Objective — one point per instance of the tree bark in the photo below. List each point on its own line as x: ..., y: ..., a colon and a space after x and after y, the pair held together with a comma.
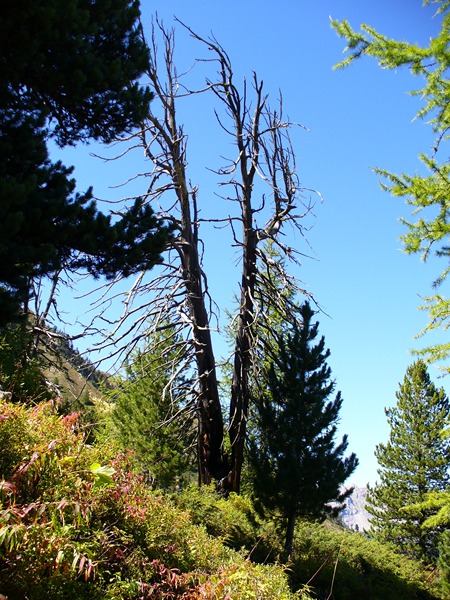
x: 263, y: 153
x: 289, y: 540
x: 210, y: 421
x: 243, y: 358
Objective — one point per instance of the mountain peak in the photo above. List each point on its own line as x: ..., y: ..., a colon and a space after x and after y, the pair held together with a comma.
x: 354, y: 515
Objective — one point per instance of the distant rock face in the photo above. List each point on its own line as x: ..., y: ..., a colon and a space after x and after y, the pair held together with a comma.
x: 355, y: 515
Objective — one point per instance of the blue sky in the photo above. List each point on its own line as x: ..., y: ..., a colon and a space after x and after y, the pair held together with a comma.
x: 356, y: 119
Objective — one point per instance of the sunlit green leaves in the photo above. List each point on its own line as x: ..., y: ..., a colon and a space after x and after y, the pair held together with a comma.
x: 428, y: 195
x: 11, y: 535
x: 103, y: 475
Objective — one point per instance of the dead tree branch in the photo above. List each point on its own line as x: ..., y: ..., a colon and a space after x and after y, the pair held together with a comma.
x: 262, y: 183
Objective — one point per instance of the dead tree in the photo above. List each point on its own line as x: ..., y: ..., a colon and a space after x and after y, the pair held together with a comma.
x: 164, y: 142
x: 263, y: 159
x: 264, y: 151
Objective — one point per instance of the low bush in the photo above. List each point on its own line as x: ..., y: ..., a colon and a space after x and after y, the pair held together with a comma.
x: 345, y: 565
x: 329, y: 561
x: 234, y: 520
x: 73, y: 526
x: 77, y: 523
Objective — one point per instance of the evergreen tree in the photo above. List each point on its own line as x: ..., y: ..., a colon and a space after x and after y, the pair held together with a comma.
x: 444, y: 561
x: 428, y: 232
x: 75, y: 65
x: 297, y: 468
x: 147, y: 416
x: 68, y: 72
x: 413, y: 463
x: 277, y: 312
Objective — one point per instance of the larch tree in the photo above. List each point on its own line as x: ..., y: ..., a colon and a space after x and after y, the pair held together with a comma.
x: 297, y: 467
x: 412, y: 464
x: 260, y: 185
x: 428, y: 232
x: 444, y: 561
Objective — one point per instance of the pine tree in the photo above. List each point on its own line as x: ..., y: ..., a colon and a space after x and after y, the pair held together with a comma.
x: 413, y: 463
x: 277, y: 312
x: 68, y: 72
x: 74, y: 65
x: 147, y: 416
x: 297, y: 468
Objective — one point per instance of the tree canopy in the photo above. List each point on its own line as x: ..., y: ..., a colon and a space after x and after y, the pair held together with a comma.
x: 75, y: 65
x: 151, y: 421
x: 429, y: 230
x: 297, y: 467
x: 413, y: 463
x: 68, y: 72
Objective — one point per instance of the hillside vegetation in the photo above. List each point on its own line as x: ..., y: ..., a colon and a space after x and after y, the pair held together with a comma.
x: 77, y: 522
x: 96, y: 499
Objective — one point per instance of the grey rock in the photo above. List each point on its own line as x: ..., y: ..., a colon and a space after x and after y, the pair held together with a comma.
x: 355, y: 516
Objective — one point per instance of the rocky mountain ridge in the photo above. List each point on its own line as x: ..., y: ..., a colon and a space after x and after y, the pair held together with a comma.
x: 355, y: 516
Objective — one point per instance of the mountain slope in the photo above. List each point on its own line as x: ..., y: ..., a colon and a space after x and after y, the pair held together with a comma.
x: 355, y: 516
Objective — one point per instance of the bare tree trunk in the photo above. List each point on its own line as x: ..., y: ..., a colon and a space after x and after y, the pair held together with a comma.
x: 243, y: 358
x: 264, y: 155
x: 210, y: 421
x: 170, y: 160
x: 261, y: 152
x: 289, y: 540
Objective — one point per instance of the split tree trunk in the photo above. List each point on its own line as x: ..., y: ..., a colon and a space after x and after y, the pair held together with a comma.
x: 264, y: 154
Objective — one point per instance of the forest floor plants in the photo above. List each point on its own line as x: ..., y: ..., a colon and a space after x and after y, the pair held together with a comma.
x: 78, y: 523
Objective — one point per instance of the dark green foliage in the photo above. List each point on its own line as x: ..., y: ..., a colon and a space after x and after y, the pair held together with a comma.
x: 76, y: 63
x: 68, y: 71
x: 344, y: 565
x: 297, y: 468
x: 20, y: 374
x: 148, y: 416
x: 413, y: 463
x: 444, y: 562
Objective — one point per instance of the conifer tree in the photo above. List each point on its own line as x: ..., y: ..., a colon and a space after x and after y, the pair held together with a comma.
x: 275, y: 295
x: 413, y: 463
x: 297, y: 468
x: 68, y: 72
x: 428, y: 228
x: 148, y: 417
x: 444, y: 561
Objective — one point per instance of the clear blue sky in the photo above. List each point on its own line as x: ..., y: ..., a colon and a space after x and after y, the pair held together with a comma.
x: 357, y: 119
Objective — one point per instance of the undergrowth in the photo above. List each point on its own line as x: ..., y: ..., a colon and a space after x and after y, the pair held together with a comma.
x: 77, y: 523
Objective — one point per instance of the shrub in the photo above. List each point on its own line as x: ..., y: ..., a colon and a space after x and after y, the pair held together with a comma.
x: 327, y: 559
x: 348, y: 565
x: 78, y: 524
x: 234, y: 520
x: 75, y: 527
